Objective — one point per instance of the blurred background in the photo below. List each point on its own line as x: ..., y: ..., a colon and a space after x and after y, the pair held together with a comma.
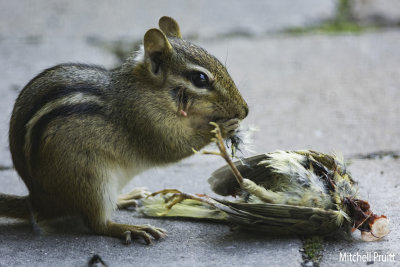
x: 317, y: 74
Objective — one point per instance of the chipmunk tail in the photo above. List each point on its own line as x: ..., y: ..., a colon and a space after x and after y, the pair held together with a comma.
x: 16, y: 207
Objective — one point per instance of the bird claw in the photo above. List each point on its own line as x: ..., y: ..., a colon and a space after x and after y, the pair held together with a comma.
x: 176, y: 198
x: 131, y: 199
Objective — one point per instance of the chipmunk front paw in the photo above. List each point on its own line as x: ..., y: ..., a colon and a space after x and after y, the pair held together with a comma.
x: 229, y: 127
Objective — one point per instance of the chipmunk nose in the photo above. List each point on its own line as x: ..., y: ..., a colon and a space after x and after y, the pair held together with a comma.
x: 243, y: 114
x: 246, y: 111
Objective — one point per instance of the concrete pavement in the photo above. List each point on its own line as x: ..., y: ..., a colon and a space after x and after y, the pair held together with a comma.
x: 323, y: 92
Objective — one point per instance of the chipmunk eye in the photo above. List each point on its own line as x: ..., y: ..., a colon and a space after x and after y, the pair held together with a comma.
x: 199, y: 79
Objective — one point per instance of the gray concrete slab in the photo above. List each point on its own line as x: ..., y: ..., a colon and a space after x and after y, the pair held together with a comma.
x: 188, y: 244
x: 127, y: 19
x: 376, y: 12
x: 379, y: 182
x: 322, y: 92
x: 316, y: 91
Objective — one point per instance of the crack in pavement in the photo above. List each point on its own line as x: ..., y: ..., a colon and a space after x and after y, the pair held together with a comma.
x: 377, y: 155
x: 311, y: 251
x: 6, y: 168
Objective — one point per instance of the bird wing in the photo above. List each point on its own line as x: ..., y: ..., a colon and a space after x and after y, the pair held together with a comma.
x: 280, y: 219
x: 223, y: 182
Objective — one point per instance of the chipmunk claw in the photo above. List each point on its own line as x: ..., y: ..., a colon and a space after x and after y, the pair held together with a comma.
x: 145, y: 232
x: 229, y: 127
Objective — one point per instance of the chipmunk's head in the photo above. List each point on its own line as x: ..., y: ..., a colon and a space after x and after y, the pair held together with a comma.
x: 194, y: 85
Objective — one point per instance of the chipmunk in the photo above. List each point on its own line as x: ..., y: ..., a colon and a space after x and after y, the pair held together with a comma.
x: 79, y: 133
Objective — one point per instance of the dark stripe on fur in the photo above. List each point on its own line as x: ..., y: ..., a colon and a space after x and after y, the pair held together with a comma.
x: 37, y: 93
x: 59, y: 92
x: 61, y: 112
x: 56, y: 93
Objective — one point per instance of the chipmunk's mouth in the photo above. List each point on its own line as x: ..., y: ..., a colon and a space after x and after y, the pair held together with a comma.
x: 218, y: 119
x: 181, y: 98
x: 229, y: 131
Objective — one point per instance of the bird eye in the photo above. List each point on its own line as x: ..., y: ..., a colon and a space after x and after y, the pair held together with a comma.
x: 199, y: 79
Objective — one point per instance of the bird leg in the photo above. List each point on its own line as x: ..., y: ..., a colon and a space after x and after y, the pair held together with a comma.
x: 177, y: 197
x: 245, y: 184
x: 131, y: 199
x: 223, y: 152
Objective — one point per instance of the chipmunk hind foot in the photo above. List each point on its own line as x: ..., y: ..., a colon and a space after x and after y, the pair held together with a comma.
x: 128, y: 232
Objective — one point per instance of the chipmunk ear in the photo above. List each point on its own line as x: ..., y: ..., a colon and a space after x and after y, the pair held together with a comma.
x: 155, y: 45
x: 170, y: 27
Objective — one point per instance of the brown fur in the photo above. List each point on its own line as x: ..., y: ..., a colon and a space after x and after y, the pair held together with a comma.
x: 78, y: 133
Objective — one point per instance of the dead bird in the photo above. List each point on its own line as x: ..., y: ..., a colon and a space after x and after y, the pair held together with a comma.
x: 283, y: 192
